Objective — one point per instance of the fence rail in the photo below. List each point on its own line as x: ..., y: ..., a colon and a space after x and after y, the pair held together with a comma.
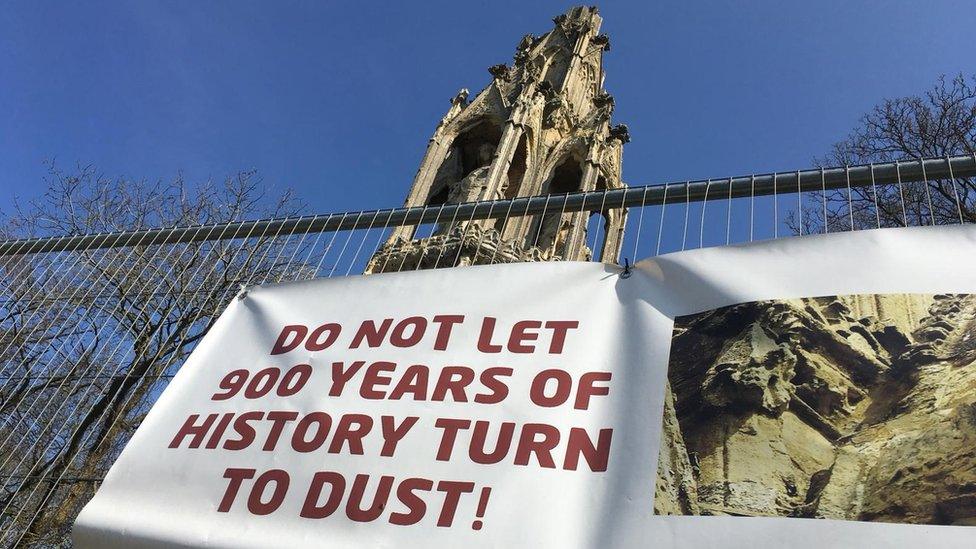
x: 777, y: 183
x: 92, y: 327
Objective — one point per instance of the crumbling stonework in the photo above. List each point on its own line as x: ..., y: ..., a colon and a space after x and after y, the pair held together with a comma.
x: 541, y: 127
x: 854, y: 407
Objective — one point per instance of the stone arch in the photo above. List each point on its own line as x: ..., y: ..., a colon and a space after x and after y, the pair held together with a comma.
x: 557, y: 66
x: 556, y: 225
x: 518, y: 169
x: 473, y: 148
x: 599, y: 221
x: 518, y: 179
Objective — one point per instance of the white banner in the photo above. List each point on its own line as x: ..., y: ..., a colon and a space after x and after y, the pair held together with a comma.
x: 497, y: 406
x: 806, y: 392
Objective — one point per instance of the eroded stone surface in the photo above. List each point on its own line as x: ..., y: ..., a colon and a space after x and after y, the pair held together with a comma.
x: 857, y: 407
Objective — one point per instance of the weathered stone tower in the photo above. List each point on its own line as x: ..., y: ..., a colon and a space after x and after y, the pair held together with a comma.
x: 541, y: 127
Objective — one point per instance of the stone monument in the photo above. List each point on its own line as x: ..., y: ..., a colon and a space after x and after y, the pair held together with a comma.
x: 542, y: 127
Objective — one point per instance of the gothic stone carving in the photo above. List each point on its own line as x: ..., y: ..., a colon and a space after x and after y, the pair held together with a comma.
x: 546, y: 100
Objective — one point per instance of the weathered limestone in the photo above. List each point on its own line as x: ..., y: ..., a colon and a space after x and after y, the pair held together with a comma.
x: 676, y: 489
x: 858, y: 408
x: 541, y: 127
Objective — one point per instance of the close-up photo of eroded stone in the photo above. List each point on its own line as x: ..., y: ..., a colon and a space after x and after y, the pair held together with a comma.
x: 850, y: 407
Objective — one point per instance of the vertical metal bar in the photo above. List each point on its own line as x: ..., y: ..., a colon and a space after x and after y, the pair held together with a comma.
x: 484, y: 231
x: 464, y: 233
x: 874, y: 193
x: 138, y: 358
x: 363, y: 241
x: 928, y: 193
x: 342, y: 252
x: 596, y: 233
x: 799, y: 205
x: 701, y: 228
x: 501, y: 232
x: 660, y: 229
x: 447, y: 236
x: 752, y: 206
x: 542, y: 218
x: 684, y: 233
x: 559, y: 225
x: 380, y: 238
x: 640, y: 222
x: 901, y: 193
x: 416, y: 228
x: 433, y: 229
x: 213, y: 268
x: 328, y: 248
x: 88, y: 292
x: 850, y: 196
x: 64, y: 401
x: 775, y: 209
x: 728, y: 217
x: 311, y: 249
x: 65, y: 304
x: 823, y: 187
x: 955, y: 192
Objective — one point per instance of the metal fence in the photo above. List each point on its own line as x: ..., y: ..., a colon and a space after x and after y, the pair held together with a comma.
x: 92, y: 327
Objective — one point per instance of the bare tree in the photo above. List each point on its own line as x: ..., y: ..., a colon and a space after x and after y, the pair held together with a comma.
x: 89, y: 338
x: 941, y: 122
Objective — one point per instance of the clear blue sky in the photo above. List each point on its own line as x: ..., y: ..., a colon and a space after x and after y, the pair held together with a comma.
x: 338, y: 99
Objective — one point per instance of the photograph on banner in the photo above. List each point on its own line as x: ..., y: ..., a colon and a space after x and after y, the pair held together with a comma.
x: 853, y: 407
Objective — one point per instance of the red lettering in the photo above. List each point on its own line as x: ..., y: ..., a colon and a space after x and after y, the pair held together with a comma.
x: 450, y: 427
x: 417, y: 326
x: 190, y: 428
x: 559, y: 329
x: 453, y: 379
x: 219, y: 431
x: 446, y: 324
x: 232, y: 383
x: 374, y: 336
x: 372, y: 378
x: 484, y: 339
x: 341, y: 376
x: 294, y: 379
x: 354, y: 508
x: 416, y: 508
x: 478, y: 451
x: 278, y: 421
x: 587, y: 389
x: 354, y: 435
x: 498, y: 388
x: 596, y: 456
x: 322, y: 422
x: 236, y: 476
x: 331, y: 331
x: 564, y: 385
x: 542, y: 449
x: 244, y: 430
x: 280, y: 480
x: 296, y: 331
x: 262, y: 383
x: 452, y: 494
x: 520, y: 335
x: 337, y: 485
x: 414, y: 381
x: 393, y: 433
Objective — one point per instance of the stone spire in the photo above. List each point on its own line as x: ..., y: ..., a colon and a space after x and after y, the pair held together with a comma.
x: 541, y: 127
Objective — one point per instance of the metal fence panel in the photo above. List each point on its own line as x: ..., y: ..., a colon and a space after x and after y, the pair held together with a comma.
x: 92, y: 327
